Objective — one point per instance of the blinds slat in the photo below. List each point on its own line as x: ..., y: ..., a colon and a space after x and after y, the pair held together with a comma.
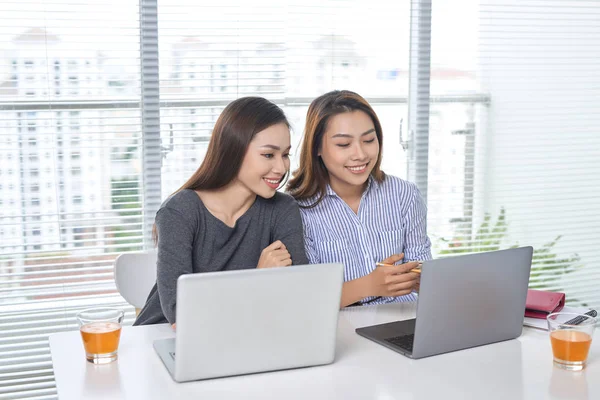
x: 32, y: 374
x: 48, y: 384
x: 39, y: 394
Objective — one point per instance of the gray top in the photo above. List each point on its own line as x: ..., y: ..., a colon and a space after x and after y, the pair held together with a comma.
x: 191, y: 239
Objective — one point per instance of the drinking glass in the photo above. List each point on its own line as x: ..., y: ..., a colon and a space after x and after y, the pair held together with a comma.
x: 100, y: 330
x: 571, y: 338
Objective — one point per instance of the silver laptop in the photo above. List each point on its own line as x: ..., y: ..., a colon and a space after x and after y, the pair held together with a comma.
x: 241, y: 322
x: 464, y: 301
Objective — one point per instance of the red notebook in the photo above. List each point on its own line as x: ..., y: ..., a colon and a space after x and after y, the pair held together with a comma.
x: 540, y: 303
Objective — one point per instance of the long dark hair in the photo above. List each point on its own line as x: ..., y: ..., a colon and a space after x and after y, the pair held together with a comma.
x: 311, y: 177
x: 235, y: 128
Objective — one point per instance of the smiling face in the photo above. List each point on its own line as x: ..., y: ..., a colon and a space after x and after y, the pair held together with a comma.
x: 349, y: 150
x: 267, y: 160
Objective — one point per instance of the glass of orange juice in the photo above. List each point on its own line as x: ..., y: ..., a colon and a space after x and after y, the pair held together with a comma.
x: 100, y: 330
x: 571, y: 338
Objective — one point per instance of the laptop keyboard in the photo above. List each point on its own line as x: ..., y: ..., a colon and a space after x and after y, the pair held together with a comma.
x: 404, y: 342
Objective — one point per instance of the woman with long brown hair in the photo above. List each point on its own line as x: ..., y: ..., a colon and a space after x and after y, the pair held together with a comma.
x: 352, y: 212
x: 229, y: 215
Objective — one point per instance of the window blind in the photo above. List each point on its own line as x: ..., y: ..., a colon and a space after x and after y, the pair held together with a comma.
x: 70, y: 184
x: 521, y: 166
x: 154, y: 86
x: 210, y: 55
x: 98, y: 125
x: 289, y: 52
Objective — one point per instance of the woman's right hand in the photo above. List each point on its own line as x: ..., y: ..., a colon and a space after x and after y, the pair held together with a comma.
x: 393, y: 280
x: 274, y: 255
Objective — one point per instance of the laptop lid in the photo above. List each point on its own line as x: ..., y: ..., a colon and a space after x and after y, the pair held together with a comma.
x: 471, y: 300
x: 239, y: 322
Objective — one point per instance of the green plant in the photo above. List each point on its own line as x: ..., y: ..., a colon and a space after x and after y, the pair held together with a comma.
x: 547, y: 267
x: 126, y: 201
x: 485, y: 239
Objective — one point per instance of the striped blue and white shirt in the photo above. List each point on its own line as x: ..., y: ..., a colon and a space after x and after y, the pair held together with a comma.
x: 391, y: 219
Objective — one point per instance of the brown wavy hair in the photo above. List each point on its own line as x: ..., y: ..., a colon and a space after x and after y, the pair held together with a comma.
x: 311, y: 178
x: 235, y: 128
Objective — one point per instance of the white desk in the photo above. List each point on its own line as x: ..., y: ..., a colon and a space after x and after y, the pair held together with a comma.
x: 516, y: 369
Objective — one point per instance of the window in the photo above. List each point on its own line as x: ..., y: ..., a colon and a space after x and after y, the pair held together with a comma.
x: 509, y: 144
x: 494, y: 149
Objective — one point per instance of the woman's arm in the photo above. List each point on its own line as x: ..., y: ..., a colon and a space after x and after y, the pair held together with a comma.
x: 354, y: 291
x: 311, y: 250
x: 417, y: 245
x: 384, y: 281
x: 175, y: 242
x: 288, y: 228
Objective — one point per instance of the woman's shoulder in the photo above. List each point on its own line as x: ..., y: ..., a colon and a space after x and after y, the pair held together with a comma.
x: 185, y: 201
x: 310, y: 204
x: 399, y: 186
x: 281, y: 201
x: 282, y: 208
x: 307, y: 206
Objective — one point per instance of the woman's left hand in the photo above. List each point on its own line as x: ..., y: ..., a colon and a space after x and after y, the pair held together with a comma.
x: 417, y: 285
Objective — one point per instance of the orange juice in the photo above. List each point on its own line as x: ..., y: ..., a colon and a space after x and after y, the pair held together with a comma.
x: 101, y: 337
x: 570, y: 345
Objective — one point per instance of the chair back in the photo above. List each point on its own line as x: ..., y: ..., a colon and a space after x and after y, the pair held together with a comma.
x: 135, y: 275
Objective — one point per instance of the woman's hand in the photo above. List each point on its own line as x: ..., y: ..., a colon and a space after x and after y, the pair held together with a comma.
x: 393, y: 280
x: 274, y: 255
x: 417, y: 285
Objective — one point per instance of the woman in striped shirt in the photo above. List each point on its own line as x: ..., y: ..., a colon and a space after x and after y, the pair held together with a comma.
x: 352, y: 212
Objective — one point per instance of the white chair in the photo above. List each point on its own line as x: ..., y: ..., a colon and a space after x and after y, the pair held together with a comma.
x: 135, y: 275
